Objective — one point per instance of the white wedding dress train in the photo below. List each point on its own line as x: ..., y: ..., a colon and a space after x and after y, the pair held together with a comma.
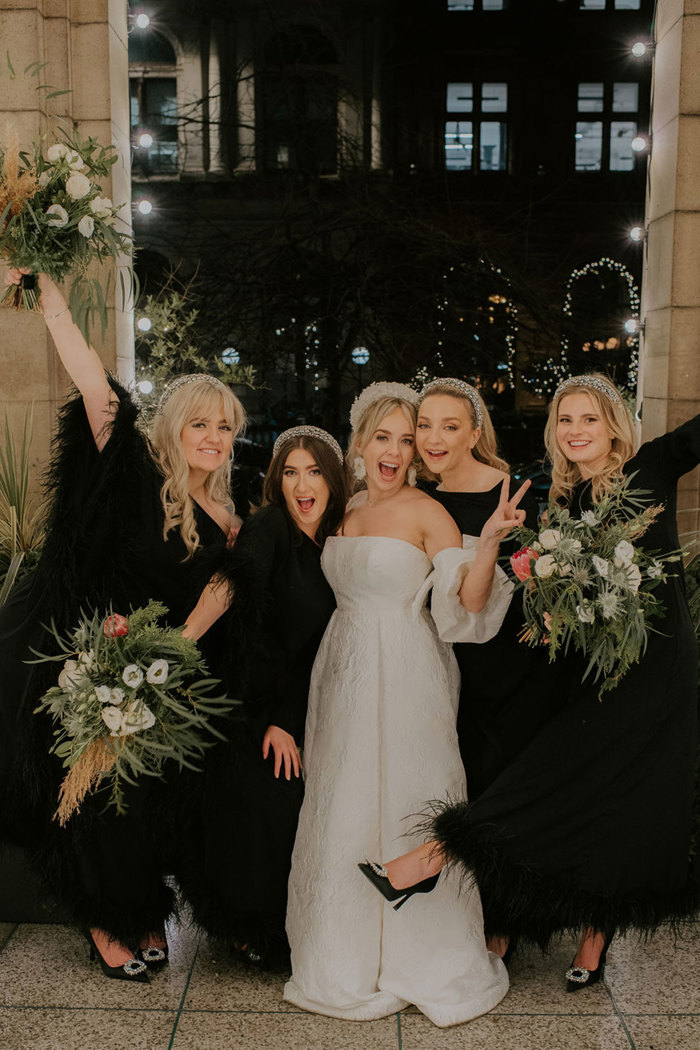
x: 380, y: 743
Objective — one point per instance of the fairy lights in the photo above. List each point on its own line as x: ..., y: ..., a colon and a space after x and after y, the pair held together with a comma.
x: 549, y: 374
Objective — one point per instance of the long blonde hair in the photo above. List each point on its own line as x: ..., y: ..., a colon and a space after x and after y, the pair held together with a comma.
x: 190, y: 401
x: 486, y: 448
x: 615, y: 415
x: 368, y: 423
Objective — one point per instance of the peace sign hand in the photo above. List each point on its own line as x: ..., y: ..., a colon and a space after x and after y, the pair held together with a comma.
x: 506, y: 516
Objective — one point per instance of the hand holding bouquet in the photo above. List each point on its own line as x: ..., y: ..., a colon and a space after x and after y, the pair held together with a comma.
x: 130, y: 696
x: 55, y: 218
x: 586, y: 584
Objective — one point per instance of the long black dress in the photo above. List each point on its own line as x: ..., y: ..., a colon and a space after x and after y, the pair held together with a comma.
x: 591, y: 824
x: 506, y: 692
x: 236, y: 880
x: 104, y: 547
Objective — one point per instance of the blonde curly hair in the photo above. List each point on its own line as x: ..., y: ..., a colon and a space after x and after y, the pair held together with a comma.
x: 616, y: 417
x: 193, y: 400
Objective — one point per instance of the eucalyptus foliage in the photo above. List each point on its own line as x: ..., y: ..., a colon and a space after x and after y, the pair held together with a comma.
x: 585, y: 584
x: 140, y: 691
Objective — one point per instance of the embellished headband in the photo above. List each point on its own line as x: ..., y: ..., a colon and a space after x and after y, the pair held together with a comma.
x: 594, y: 383
x: 460, y: 387
x: 312, y: 432
x: 374, y: 392
x: 195, y: 377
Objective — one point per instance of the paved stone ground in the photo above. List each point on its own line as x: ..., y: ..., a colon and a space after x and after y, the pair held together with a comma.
x: 52, y: 998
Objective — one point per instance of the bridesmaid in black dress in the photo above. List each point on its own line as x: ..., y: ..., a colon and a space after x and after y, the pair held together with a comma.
x: 591, y: 826
x: 507, y: 691
x: 280, y: 606
x: 131, y: 519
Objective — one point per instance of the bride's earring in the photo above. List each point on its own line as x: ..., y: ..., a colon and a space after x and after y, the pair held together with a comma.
x: 411, y: 476
x: 358, y: 468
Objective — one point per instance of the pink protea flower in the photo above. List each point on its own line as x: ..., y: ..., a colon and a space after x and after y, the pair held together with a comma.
x: 521, y: 562
x: 116, y: 626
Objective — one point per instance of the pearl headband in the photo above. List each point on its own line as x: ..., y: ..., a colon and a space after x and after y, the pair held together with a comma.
x: 593, y: 383
x: 196, y: 377
x: 374, y: 392
x: 460, y: 387
x: 308, y: 431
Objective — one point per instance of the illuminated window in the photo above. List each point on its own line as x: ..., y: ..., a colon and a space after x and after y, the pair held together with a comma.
x: 614, y: 5
x: 475, y: 5
x: 473, y: 142
x: 154, y: 124
x: 606, y: 143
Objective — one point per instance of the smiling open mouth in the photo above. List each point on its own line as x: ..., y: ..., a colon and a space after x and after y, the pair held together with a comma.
x: 388, y: 470
x: 305, y: 505
x: 437, y: 454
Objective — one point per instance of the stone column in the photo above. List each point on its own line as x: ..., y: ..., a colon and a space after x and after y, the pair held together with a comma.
x: 84, y: 46
x: 670, y: 373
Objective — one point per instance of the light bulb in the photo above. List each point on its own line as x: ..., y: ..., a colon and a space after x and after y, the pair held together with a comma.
x: 143, y: 21
x: 638, y: 144
x: 637, y: 233
x: 632, y: 325
x: 639, y: 49
x: 145, y: 386
x: 144, y: 324
x: 145, y: 207
x: 145, y: 140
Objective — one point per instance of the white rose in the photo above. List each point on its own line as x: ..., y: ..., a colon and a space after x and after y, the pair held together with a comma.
x: 585, y: 613
x: 103, y: 693
x: 132, y: 676
x: 74, y: 160
x: 601, y: 566
x: 136, y: 717
x: 633, y: 577
x: 112, y: 718
x: 78, y: 186
x: 101, y: 207
x: 56, y: 152
x: 116, y: 695
x: 70, y: 675
x: 157, y: 672
x: 61, y: 215
x: 545, y: 566
x: 589, y: 518
x: 624, y: 554
x: 86, y: 226
x: 44, y: 179
x: 550, y: 538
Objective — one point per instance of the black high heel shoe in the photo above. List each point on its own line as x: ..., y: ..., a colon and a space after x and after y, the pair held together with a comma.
x: 379, y: 877
x: 578, y: 977
x: 132, y: 970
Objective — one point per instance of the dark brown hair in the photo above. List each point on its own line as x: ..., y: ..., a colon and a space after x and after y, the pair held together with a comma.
x: 332, y: 472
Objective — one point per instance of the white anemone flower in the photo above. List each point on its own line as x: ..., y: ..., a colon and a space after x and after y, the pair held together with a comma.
x: 86, y: 226
x: 157, y: 672
x: 545, y: 566
x: 132, y: 675
x: 57, y: 152
x: 78, y: 186
x: 60, y: 215
x: 550, y: 539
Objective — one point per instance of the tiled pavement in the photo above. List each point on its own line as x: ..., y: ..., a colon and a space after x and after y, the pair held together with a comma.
x: 52, y: 998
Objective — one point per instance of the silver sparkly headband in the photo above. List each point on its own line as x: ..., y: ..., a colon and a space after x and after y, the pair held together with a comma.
x: 593, y: 383
x: 460, y: 387
x: 374, y: 392
x: 196, y: 377
x: 312, y: 432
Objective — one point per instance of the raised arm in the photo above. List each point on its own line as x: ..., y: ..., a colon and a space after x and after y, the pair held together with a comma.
x: 80, y: 360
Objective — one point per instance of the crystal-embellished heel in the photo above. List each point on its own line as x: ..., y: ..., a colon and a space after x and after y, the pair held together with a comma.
x: 578, y: 977
x: 379, y: 877
x: 131, y: 970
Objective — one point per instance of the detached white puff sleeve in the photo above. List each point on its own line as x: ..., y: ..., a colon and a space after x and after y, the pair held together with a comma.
x: 453, y: 621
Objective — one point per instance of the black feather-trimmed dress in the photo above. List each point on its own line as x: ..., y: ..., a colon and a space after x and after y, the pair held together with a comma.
x: 104, y: 547
x: 592, y: 824
x: 236, y: 878
x: 506, y: 693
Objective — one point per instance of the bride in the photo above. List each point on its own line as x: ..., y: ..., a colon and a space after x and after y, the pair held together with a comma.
x: 381, y: 739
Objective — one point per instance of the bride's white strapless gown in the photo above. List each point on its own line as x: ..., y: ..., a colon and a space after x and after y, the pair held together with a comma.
x: 381, y: 742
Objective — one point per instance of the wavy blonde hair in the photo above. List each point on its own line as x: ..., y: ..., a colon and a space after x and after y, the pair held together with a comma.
x: 370, y: 420
x: 616, y: 416
x: 191, y: 401
x: 486, y: 448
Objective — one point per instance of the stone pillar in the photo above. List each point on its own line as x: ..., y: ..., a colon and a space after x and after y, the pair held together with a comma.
x: 84, y: 46
x: 670, y: 373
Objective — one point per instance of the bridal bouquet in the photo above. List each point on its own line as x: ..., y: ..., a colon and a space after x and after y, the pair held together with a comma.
x: 131, y: 695
x: 54, y: 218
x: 586, y: 584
